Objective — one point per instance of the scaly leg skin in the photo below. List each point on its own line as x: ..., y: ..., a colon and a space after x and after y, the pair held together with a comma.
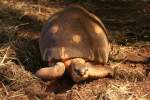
x: 53, y: 72
x: 98, y: 71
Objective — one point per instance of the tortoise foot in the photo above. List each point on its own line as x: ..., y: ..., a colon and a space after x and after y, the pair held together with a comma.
x: 99, y: 71
x: 53, y: 72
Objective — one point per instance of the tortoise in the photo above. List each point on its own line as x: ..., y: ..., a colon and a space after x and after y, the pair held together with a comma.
x: 75, y: 41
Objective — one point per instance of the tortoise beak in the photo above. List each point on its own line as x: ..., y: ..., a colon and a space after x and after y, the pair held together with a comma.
x: 81, y: 72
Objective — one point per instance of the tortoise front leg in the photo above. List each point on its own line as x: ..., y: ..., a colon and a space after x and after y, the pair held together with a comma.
x: 53, y: 72
x: 98, y: 71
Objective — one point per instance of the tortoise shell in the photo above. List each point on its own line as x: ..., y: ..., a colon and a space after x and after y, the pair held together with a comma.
x: 74, y: 33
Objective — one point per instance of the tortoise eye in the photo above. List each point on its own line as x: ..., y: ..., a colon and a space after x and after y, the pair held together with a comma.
x: 77, y: 71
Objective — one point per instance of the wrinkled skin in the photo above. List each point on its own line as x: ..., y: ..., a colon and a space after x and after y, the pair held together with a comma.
x: 81, y: 71
x: 78, y: 69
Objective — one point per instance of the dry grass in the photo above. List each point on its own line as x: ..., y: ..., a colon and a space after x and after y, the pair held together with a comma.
x: 122, y: 91
x: 20, y: 23
x: 13, y: 43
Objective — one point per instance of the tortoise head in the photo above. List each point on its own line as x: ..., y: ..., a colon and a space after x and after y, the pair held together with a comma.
x: 78, y: 71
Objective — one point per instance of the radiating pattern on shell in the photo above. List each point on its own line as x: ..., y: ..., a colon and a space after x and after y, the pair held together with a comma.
x: 74, y: 32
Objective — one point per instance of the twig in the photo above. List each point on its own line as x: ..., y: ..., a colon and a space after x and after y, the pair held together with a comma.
x: 36, y: 98
x: 22, y: 67
x: 23, y: 24
x: 15, y: 96
x: 81, y: 98
x: 4, y: 88
x: 2, y: 61
x: 115, y: 65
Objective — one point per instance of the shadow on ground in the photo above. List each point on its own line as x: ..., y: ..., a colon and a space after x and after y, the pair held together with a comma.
x: 22, y: 34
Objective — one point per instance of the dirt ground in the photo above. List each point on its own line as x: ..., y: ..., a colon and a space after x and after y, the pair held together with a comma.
x: 20, y: 24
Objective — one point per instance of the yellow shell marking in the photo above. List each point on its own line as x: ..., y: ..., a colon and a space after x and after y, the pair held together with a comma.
x: 76, y: 38
x: 63, y: 55
x: 97, y: 29
x: 54, y: 29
